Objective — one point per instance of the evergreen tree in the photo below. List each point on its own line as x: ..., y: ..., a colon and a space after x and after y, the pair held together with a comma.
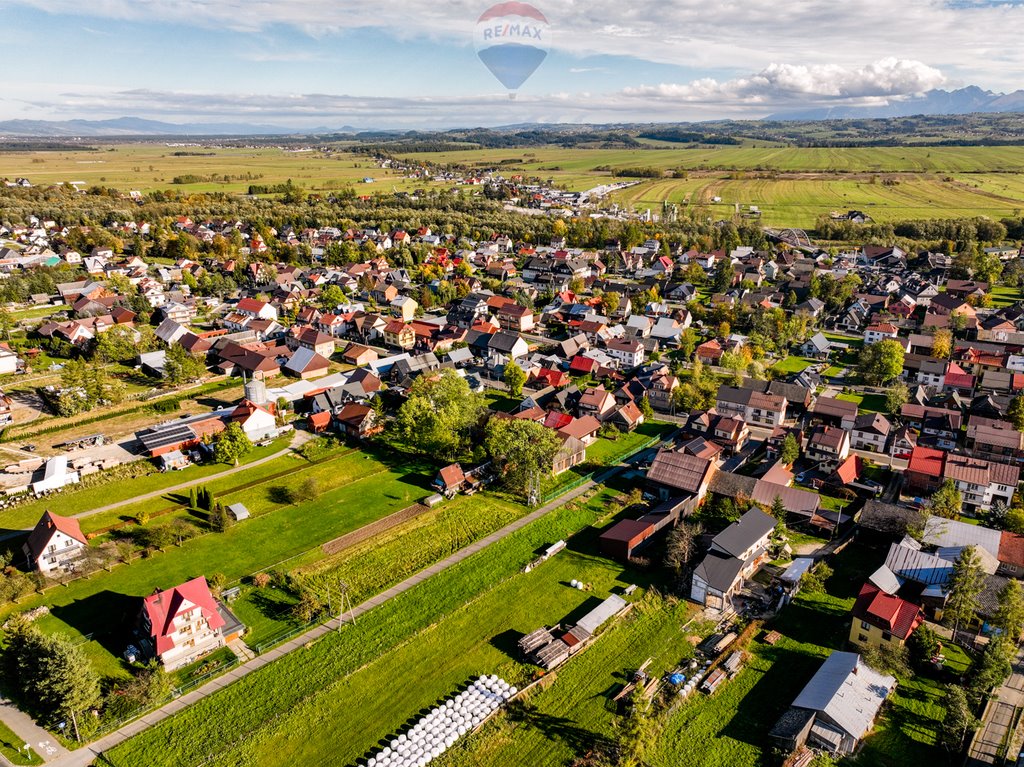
x: 959, y: 719
x: 965, y: 585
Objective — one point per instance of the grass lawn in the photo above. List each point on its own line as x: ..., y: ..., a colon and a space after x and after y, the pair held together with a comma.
x: 852, y: 341
x: 76, y: 500
x: 1003, y: 296
x: 604, y: 450
x: 500, y: 401
x: 907, y: 730
x: 10, y: 747
x: 831, y: 371
x: 793, y: 365
x: 265, y: 612
x: 368, y: 679
x: 96, y: 608
x: 731, y: 727
x: 866, y: 403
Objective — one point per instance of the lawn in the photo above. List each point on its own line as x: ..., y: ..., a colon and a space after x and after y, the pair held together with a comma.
x: 604, y: 450
x: 75, y: 500
x: 866, y: 403
x: 908, y: 729
x: 497, y: 400
x: 1003, y: 296
x: 369, y: 678
x: 792, y: 365
x: 95, y: 608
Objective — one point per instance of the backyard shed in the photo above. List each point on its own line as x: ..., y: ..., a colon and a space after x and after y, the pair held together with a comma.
x: 238, y: 512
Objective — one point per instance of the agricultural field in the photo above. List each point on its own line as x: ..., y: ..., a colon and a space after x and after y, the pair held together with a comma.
x: 151, y: 166
x: 791, y: 186
x: 418, y: 647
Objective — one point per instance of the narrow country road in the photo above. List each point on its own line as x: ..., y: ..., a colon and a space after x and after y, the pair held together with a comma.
x: 85, y: 756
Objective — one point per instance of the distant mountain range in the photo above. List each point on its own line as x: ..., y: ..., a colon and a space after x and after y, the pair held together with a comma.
x: 964, y: 101
x: 137, y: 126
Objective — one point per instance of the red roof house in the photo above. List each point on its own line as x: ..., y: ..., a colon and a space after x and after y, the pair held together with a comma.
x: 924, y: 471
x: 184, y: 622
x: 896, y: 617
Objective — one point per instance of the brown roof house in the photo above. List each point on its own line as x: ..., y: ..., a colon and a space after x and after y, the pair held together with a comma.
x: 55, y: 544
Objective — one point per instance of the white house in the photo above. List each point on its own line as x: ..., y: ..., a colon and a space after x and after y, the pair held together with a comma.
x: 184, y: 623
x: 870, y: 432
x: 880, y: 331
x: 257, y: 422
x: 55, y: 544
x: 981, y: 483
x: 253, y: 307
x: 751, y: 406
x: 629, y: 352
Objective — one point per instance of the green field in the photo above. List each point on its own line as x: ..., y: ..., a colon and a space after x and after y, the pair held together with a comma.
x: 792, y: 186
x: 94, y: 609
x: 418, y: 648
x: 146, y: 167
x: 793, y: 365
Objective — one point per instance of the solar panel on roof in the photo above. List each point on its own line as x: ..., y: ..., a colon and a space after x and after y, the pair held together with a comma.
x: 172, y: 435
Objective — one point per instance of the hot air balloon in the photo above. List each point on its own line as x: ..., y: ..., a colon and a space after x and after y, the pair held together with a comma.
x: 512, y: 41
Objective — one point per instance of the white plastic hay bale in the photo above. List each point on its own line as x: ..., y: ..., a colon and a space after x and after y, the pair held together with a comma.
x: 513, y: 690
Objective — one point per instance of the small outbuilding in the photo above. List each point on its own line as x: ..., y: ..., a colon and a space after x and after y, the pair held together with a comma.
x: 238, y: 512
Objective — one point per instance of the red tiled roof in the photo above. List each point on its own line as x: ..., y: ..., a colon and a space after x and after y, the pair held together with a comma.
x: 850, y: 469
x: 925, y: 460
x: 452, y: 475
x: 251, y: 305
x: 581, y: 364
x: 897, y: 616
x: 163, y: 606
x: 556, y: 420
x: 320, y: 420
x: 1011, y: 548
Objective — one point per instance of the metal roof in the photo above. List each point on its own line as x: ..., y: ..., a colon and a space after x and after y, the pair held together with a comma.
x: 847, y: 691
x: 885, y: 579
x: 741, y: 535
x: 947, y: 533
x: 610, y: 607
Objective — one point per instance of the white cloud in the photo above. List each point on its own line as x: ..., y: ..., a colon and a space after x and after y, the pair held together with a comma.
x: 780, y: 83
x: 959, y: 35
x: 778, y: 86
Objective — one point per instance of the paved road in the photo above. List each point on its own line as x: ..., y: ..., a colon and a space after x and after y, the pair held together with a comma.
x: 998, y: 718
x: 86, y: 755
x: 42, y: 742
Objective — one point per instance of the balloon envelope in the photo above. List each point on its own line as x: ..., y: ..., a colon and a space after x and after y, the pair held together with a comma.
x: 511, y: 40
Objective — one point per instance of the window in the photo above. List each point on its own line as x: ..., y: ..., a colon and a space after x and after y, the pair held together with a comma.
x: 862, y: 638
x: 865, y: 625
x: 886, y: 636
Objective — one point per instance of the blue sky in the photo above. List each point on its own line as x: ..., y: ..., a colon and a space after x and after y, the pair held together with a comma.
x: 307, y: 63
